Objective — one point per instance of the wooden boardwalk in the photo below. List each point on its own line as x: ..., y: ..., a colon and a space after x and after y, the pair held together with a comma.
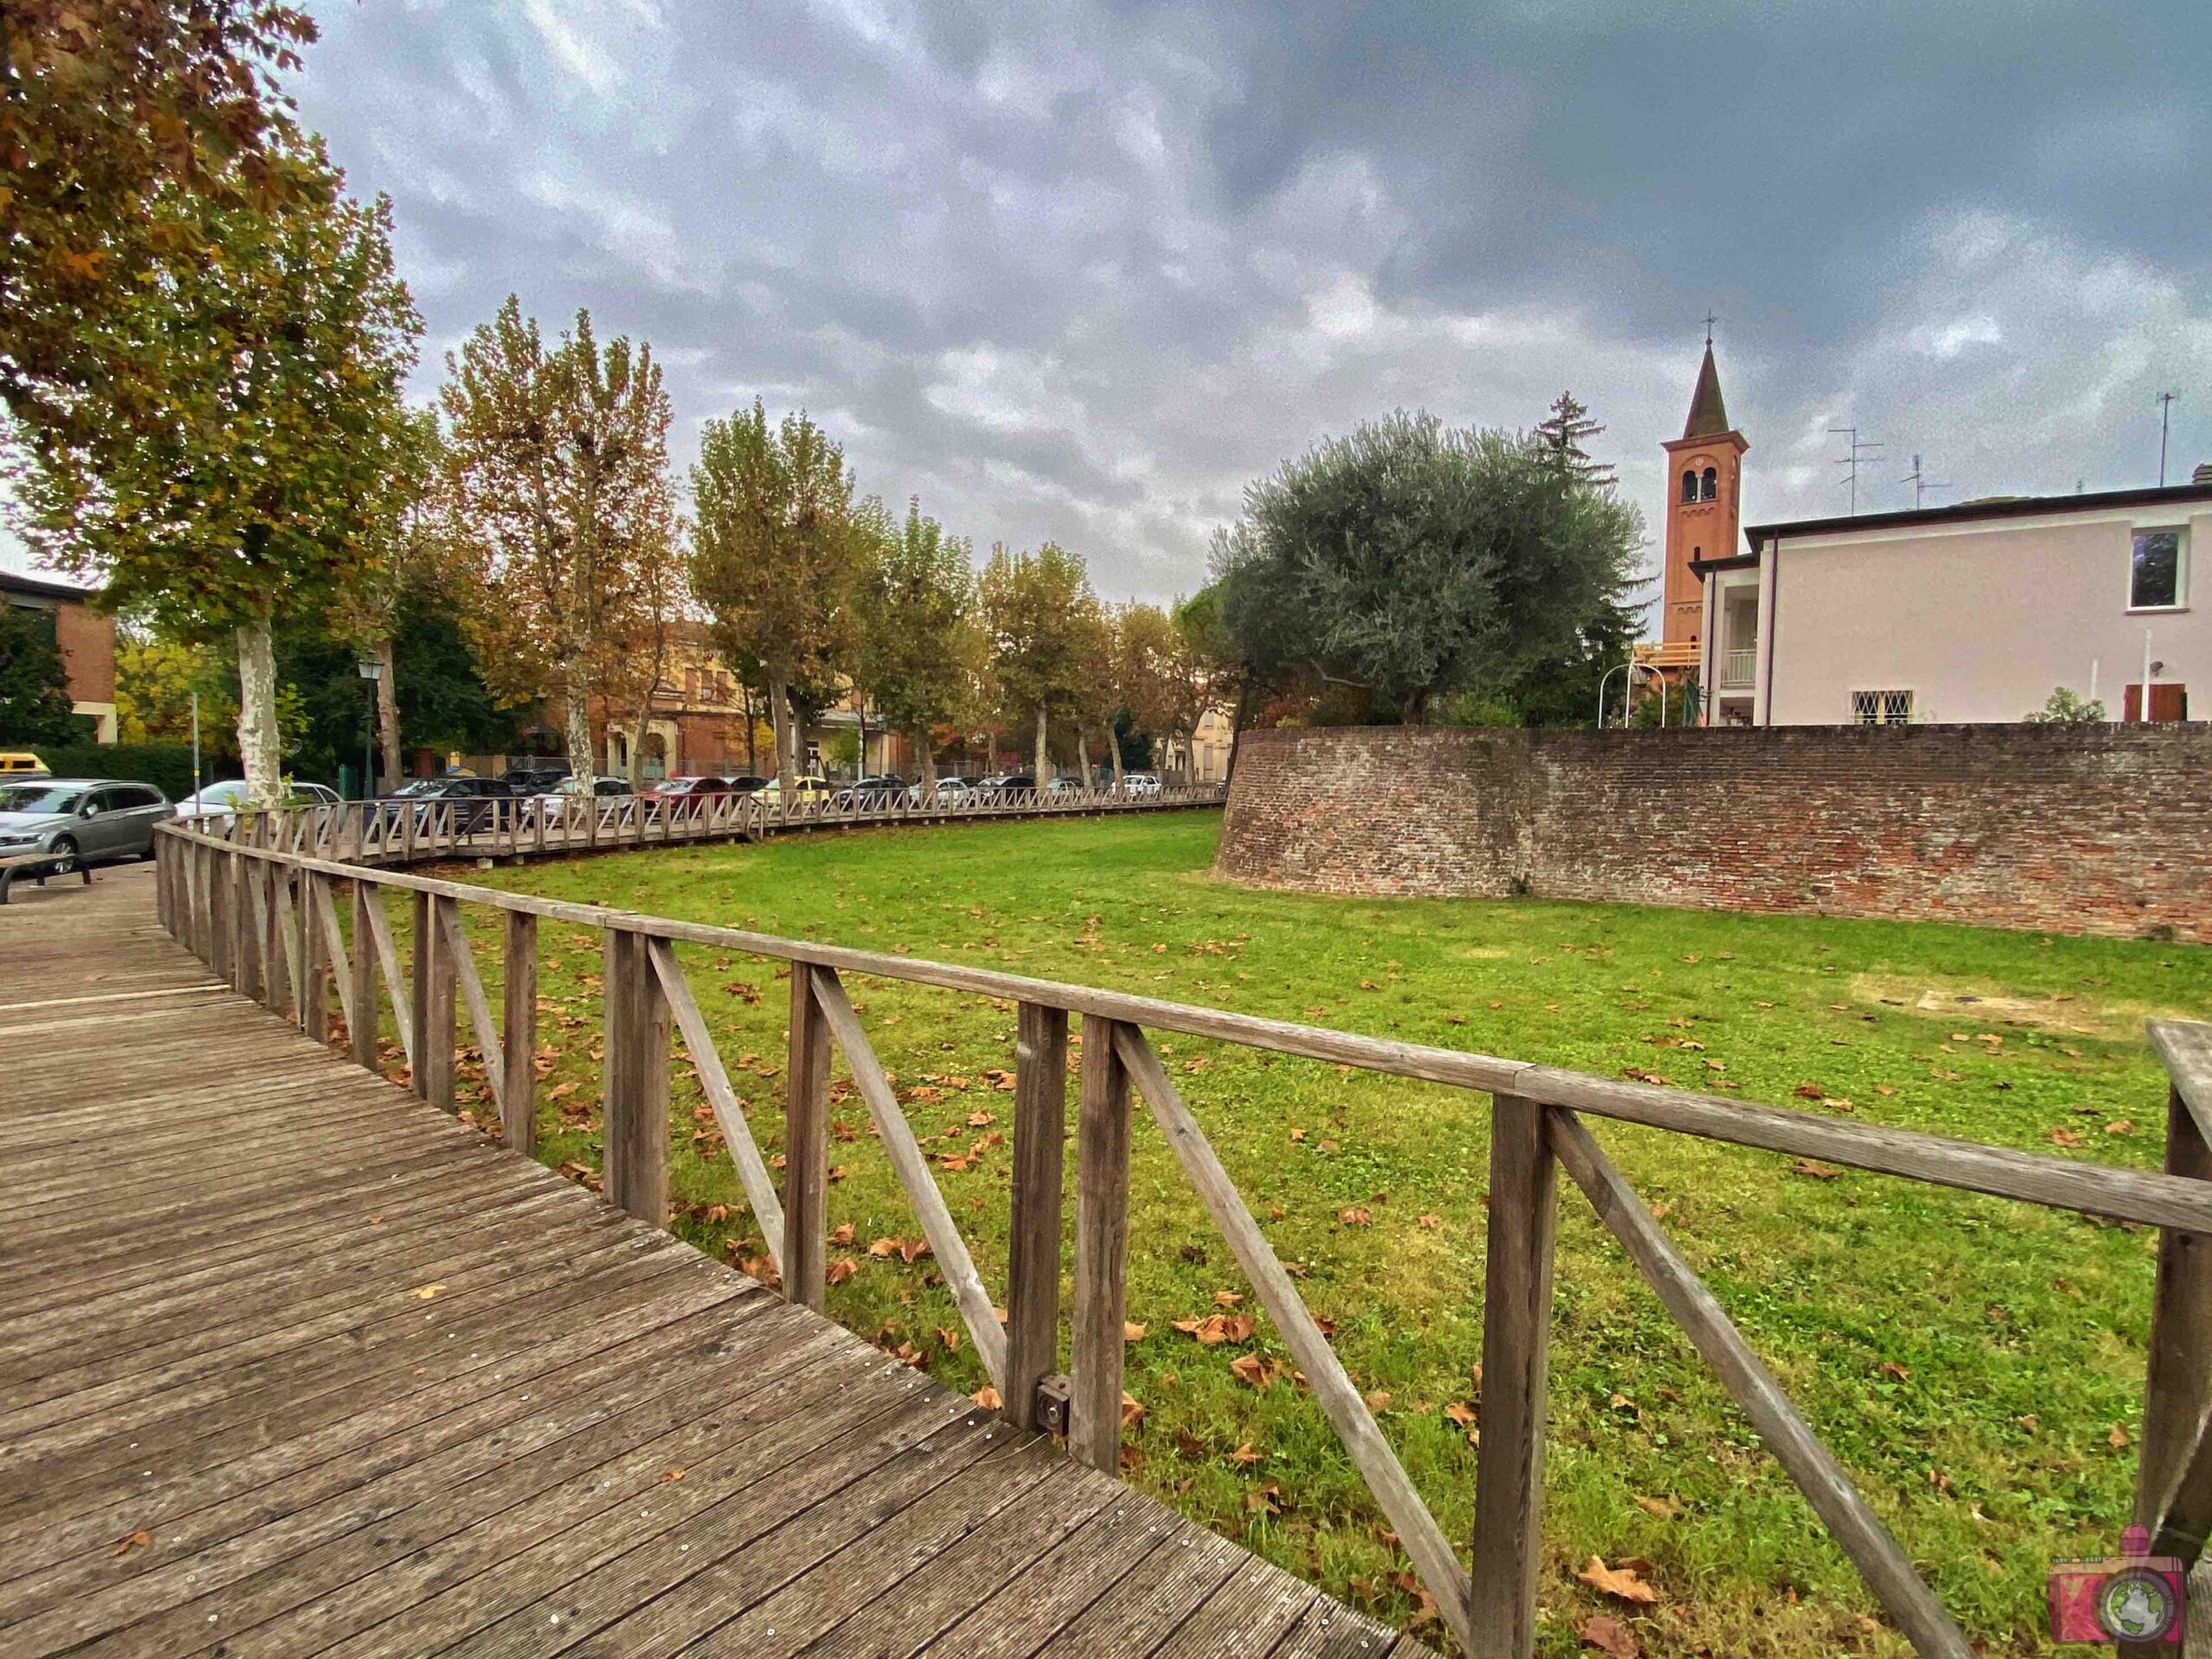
x: 291, y: 1363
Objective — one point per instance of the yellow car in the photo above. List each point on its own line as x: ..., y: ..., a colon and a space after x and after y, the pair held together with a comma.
x: 21, y: 763
x: 803, y: 789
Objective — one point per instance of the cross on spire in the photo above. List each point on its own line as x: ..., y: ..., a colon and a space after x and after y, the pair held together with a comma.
x: 1709, y: 320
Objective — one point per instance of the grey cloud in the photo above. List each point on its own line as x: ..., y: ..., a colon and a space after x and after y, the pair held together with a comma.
x: 1083, y: 269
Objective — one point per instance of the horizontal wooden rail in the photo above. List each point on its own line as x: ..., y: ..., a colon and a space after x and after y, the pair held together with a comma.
x: 2142, y: 1196
x: 231, y: 900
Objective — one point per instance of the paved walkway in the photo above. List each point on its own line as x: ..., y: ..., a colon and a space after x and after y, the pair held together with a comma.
x: 293, y: 1364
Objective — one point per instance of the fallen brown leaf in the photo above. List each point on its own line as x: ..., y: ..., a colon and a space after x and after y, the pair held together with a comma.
x: 1610, y: 1637
x: 1617, y: 1581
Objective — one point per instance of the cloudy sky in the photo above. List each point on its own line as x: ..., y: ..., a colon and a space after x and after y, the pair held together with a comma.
x: 1080, y: 270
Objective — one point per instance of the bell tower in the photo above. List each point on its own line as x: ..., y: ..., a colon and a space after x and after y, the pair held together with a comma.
x: 1704, y: 511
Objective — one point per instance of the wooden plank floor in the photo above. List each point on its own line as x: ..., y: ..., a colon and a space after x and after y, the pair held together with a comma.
x: 292, y: 1364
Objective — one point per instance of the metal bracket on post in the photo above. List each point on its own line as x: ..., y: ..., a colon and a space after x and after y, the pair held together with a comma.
x: 1049, y: 1415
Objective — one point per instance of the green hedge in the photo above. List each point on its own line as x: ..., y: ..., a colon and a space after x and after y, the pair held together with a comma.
x: 166, y: 766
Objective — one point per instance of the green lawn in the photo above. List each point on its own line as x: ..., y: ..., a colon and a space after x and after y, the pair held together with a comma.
x: 1977, y: 1365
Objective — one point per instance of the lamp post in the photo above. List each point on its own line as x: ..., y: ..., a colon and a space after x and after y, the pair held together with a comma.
x: 371, y: 671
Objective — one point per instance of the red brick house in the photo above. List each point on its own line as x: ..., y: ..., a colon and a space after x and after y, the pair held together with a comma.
x: 85, y: 638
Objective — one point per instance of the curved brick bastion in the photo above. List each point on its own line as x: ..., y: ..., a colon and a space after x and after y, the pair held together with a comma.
x: 2097, y: 829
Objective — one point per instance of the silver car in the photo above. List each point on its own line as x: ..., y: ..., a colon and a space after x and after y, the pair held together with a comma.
x: 80, y: 821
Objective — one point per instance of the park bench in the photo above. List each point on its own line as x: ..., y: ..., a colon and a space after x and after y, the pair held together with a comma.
x: 36, y: 866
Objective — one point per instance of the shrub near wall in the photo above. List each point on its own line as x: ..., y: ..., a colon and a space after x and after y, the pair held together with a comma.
x: 166, y: 766
x: 2070, y: 828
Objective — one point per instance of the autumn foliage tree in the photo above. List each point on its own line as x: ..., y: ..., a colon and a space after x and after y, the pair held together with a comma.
x: 1037, y: 612
x: 556, y: 486
x: 130, y: 132
x: 252, y: 488
x: 919, y: 654
x: 777, y: 548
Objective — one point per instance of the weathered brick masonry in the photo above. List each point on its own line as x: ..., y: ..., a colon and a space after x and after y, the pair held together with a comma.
x: 2064, y: 828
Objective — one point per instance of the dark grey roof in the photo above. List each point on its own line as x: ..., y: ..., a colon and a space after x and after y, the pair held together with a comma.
x: 1995, y: 506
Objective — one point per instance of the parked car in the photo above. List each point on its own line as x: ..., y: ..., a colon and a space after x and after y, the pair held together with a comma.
x: 808, y: 788
x: 79, y: 820
x: 670, y: 793
x: 476, y: 804
x: 219, y: 803
x: 21, y: 763
x: 1003, y: 785
x: 746, y: 783
x: 1066, y: 784
x: 863, y: 793
x: 1141, y: 783
x: 535, y: 775
x: 951, y: 791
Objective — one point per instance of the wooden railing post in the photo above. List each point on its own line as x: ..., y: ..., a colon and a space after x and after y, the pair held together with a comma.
x: 315, y: 959
x: 1102, y: 1248
x: 637, y: 1044
x: 417, y: 1012
x: 518, y: 1034
x: 1517, y: 1348
x: 806, y: 1145
x: 435, y: 1034
x: 276, y: 975
x: 1033, y: 1267
x: 362, y: 1036
x: 240, y: 894
x: 2173, y: 1490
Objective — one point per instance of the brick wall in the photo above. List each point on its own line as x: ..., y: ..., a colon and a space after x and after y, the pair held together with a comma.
x: 87, y: 642
x: 2064, y: 828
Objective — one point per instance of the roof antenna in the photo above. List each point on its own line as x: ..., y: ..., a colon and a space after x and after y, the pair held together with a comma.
x: 1920, y: 481
x: 1860, y: 449
x: 2165, y: 417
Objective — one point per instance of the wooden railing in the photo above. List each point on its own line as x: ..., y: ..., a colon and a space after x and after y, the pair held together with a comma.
x: 402, y: 831
x: 269, y: 919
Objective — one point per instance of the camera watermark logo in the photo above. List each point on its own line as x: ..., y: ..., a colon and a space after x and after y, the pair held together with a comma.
x: 2132, y: 1597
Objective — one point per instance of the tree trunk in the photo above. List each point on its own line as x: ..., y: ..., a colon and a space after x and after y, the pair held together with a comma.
x: 860, y: 709
x: 1083, y: 753
x: 638, y: 745
x: 388, y: 710
x: 258, y: 745
x: 576, y: 688
x: 1113, y: 751
x: 928, y: 758
x: 1236, y: 728
x: 752, y: 742
x: 779, y: 711
x: 1042, y: 764
x: 1414, y: 710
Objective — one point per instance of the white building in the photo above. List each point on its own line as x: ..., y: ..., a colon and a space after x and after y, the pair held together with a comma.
x: 1973, y: 612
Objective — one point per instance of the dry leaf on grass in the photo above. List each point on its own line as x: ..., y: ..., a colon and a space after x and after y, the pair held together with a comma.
x: 1258, y: 1369
x: 987, y: 1398
x: 841, y: 1269
x: 1132, y: 1332
x: 1621, y: 1581
x: 1610, y: 1637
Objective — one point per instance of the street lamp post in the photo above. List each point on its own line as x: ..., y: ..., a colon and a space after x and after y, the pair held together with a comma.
x: 370, y: 670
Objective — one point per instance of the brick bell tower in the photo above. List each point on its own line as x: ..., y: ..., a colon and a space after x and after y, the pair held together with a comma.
x: 1704, y: 512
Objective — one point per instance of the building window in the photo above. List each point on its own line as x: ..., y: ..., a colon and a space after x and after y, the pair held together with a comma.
x: 1712, y: 484
x: 1881, y: 707
x: 2157, y: 577
x: 1689, y: 485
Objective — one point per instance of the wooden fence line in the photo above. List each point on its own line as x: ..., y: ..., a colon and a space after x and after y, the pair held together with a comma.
x: 231, y: 902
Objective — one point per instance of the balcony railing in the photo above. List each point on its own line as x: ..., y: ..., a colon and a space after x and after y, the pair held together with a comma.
x: 1739, y: 669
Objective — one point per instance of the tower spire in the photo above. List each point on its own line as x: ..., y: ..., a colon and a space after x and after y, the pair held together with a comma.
x: 1708, y: 411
